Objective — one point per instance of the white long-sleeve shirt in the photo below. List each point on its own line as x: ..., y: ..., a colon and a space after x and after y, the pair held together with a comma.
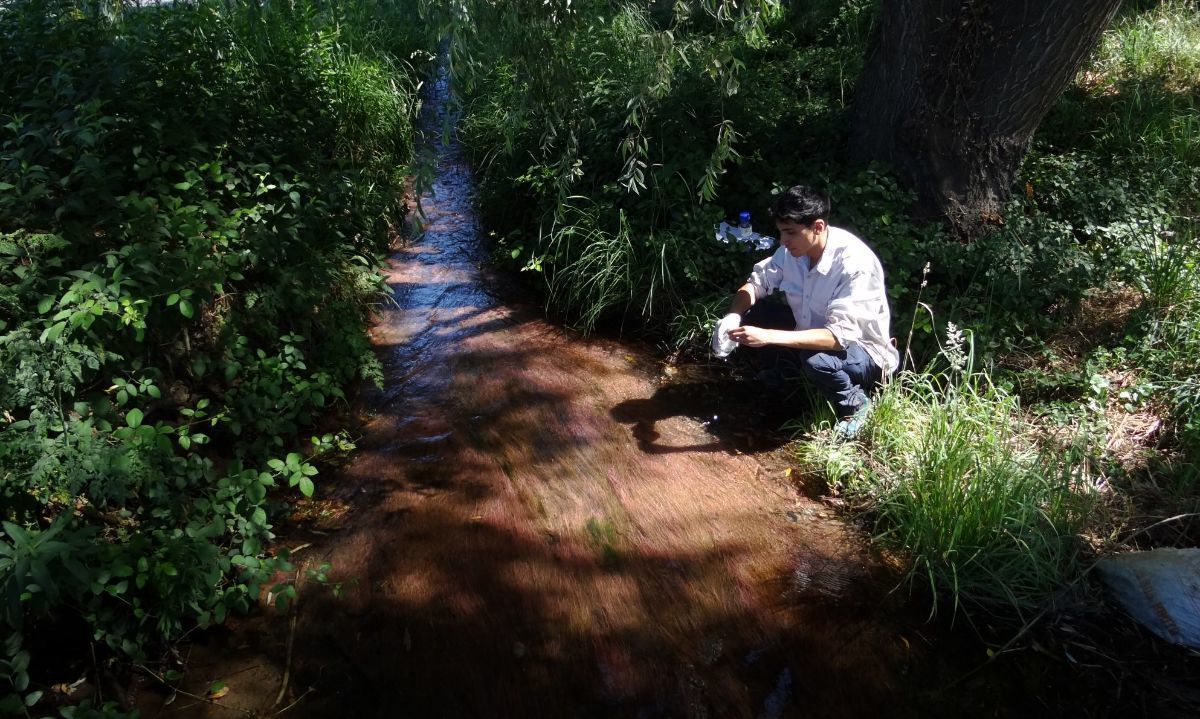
x: 845, y: 293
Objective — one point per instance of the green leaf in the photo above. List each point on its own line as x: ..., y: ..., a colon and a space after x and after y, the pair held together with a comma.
x: 306, y: 486
x: 172, y: 299
x: 45, y: 304
x: 33, y: 697
x: 134, y: 418
x: 185, y: 441
x: 186, y: 309
x: 17, y: 534
x: 51, y: 333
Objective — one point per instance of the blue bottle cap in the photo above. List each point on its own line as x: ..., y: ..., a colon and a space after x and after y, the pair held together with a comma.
x: 744, y: 218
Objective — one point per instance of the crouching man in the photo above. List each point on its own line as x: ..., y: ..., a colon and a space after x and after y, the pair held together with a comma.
x: 835, y: 328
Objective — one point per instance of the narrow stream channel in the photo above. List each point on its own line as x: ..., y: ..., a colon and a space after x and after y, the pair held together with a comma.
x: 533, y: 528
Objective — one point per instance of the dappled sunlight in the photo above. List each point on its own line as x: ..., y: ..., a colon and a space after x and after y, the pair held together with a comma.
x: 533, y: 508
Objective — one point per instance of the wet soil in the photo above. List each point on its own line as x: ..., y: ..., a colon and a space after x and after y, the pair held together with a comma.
x: 541, y: 525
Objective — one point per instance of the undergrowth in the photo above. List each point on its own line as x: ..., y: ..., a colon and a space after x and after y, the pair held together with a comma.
x: 193, y: 202
x: 955, y: 478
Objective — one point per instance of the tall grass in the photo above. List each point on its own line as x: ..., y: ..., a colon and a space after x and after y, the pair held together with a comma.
x: 602, y: 268
x: 955, y: 479
x: 1171, y: 347
x: 1151, y: 61
x: 1162, y: 43
x: 627, y: 105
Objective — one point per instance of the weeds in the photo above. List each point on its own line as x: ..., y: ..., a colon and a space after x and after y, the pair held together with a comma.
x: 1171, y: 347
x: 1161, y: 43
x: 954, y: 478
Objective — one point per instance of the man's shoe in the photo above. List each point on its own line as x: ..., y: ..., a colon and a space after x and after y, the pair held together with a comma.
x: 849, y: 427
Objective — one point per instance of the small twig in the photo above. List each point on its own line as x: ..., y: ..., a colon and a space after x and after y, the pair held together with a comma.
x: 291, y: 640
x: 190, y: 695
x: 96, y: 668
x: 287, y: 663
x: 294, y: 703
x: 1161, y: 522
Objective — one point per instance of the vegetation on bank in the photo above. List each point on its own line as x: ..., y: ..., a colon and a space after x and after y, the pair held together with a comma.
x: 193, y: 201
x: 608, y: 155
x: 1003, y: 489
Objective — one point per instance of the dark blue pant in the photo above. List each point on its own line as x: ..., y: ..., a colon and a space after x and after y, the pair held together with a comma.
x: 842, y: 377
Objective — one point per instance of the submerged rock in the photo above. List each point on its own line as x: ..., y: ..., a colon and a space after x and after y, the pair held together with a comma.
x: 1160, y: 589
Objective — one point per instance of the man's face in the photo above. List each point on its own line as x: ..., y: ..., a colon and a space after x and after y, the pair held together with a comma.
x: 799, y: 239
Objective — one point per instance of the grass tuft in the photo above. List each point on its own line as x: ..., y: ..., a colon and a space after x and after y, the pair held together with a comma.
x: 1162, y: 43
x: 953, y: 477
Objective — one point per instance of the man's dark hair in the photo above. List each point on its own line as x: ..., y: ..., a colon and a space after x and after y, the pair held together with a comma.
x: 801, y: 205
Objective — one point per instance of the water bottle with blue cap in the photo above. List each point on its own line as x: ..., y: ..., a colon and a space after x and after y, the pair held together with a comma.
x: 744, y: 229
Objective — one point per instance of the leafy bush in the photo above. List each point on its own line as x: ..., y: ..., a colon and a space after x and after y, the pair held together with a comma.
x: 193, y: 201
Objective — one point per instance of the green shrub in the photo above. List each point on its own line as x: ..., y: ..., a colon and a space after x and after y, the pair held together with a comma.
x: 193, y: 203
x: 627, y: 108
x: 953, y: 478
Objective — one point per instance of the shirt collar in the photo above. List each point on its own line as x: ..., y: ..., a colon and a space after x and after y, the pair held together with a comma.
x: 826, y: 264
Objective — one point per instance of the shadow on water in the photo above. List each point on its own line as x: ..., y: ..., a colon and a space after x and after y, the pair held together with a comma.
x: 535, y: 527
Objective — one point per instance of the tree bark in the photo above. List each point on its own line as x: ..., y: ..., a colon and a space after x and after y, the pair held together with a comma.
x: 954, y: 89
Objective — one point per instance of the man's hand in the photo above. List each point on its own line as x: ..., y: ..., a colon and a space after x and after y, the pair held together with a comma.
x: 750, y: 336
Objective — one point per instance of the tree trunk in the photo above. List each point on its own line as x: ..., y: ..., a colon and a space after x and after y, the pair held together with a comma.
x: 954, y: 89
